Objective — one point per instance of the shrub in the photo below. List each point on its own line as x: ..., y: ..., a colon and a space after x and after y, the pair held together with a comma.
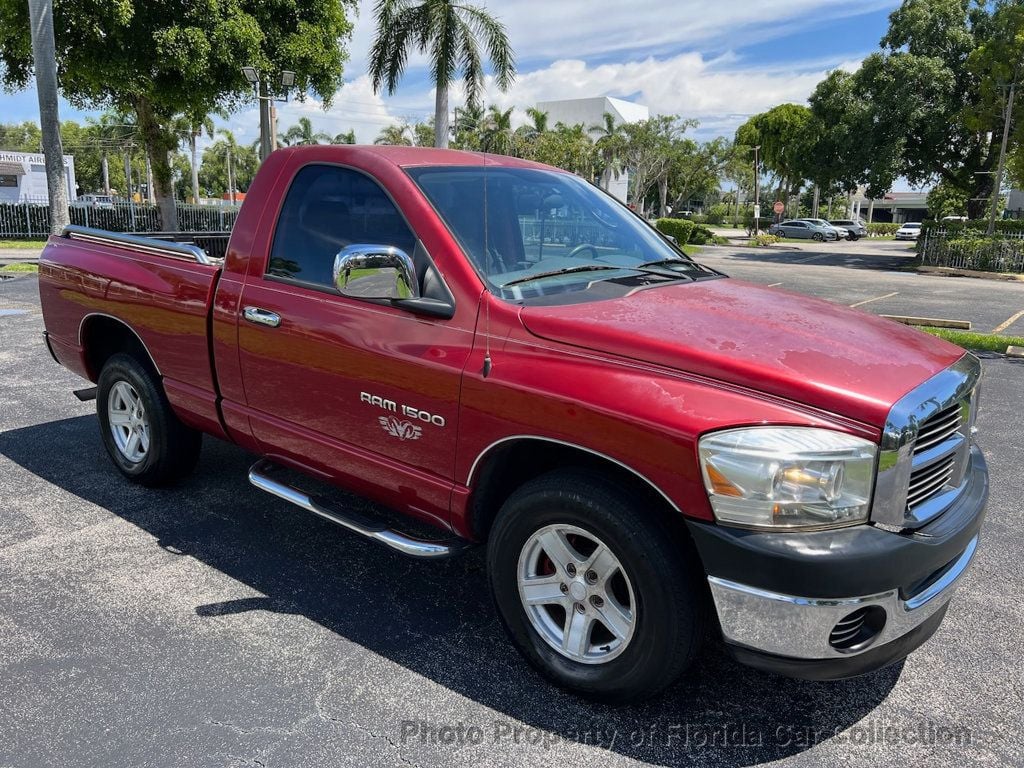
x: 1003, y: 226
x: 882, y: 228
x: 764, y: 239
x: 701, y: 235
x: 680, y: 229
x: 717, y: 213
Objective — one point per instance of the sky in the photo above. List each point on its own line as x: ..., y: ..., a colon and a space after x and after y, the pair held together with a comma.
x: 718, y: 62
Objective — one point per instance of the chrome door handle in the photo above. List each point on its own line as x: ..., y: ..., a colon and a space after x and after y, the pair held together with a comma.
x: 262, y: 316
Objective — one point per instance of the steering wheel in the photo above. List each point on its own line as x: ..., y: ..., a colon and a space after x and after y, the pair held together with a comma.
x: 579, y: 249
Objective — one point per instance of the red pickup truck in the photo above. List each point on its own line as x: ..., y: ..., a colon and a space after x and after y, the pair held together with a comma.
x: 651, y: 450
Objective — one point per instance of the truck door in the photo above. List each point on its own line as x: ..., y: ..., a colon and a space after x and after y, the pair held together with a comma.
x: 365, y: 393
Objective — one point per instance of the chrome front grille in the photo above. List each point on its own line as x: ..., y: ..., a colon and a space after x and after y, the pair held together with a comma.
x: 928, y: 481
x: 925, y: 448
x: 939, y: 428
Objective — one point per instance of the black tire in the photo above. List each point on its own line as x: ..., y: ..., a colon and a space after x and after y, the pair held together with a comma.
x: 818, y: 236
x: 173, y: 447
x: 671, y: 598
x: 853, y: 238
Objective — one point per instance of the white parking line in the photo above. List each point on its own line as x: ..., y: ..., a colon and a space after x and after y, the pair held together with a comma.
x: 811, y: 258
x: 1003, y: 326
x: 877, y: 298
x: 772, y: 285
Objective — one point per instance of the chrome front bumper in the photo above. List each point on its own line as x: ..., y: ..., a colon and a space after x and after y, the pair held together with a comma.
x: 799, y: 627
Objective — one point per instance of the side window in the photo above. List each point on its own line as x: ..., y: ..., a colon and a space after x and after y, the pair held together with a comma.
x: 326, y: 209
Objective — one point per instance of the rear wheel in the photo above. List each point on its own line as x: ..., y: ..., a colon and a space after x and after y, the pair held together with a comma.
x: 145, y: 440
x: 596, y: 592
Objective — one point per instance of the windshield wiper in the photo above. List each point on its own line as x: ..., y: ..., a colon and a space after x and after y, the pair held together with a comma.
x: 692, y: 266
x: 563, y: 271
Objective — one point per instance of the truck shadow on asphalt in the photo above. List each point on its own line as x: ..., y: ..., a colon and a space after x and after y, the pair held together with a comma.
x: 435, y: 618
x: 823, y: 258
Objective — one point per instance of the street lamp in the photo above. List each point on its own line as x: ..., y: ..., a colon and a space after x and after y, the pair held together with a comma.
x: 757, y: 194
x: 268, y: 139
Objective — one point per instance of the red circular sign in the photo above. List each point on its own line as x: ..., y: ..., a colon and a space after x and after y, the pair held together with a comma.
x: 779, y: 206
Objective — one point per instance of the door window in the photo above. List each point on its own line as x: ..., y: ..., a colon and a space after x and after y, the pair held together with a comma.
x: 326, y: 209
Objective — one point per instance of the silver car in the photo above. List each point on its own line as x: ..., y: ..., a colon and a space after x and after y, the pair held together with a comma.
x: 855, y: 227
x: 808, y: 230
x: 841, y: 232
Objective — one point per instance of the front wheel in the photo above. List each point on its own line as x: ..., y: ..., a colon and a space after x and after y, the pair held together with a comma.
x: 594, y: 589
x: 143, y: 436
x: 818, y: 236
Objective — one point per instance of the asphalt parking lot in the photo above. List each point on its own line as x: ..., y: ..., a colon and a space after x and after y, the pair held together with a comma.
x: 873, y: 276
x: 212, y: 625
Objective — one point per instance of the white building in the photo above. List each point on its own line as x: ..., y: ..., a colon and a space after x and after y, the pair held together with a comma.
x: 590, y: 112
x: 23, y: 178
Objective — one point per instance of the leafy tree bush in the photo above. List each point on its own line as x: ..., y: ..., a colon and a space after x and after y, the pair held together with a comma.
x: 680, y: 229
x: 764, y: 239
x: 701, y: 235
x: 882, y: 228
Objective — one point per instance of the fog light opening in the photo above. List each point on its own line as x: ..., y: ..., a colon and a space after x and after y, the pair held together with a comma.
x: 858, y: 629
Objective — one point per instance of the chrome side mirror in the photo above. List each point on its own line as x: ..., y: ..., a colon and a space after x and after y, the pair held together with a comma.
x: 382, y: 272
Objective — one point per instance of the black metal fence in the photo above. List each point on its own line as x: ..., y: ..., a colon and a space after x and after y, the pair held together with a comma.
x: 30, y: 220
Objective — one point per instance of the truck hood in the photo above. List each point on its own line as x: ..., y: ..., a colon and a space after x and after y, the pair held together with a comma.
x: 803, y: 349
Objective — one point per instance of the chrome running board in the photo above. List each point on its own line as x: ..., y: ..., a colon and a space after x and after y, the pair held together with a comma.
x: 259, y: 475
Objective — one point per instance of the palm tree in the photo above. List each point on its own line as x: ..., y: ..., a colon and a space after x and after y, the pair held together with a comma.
x: 228, y: 148
x: 396, y: 135
x: 303, y: 134
x: 610, y: 143
x: 497, y: 137
x: 539, y: 121
x: 450, y: 35
x: 468, y: 122
x: 349, y: 137
x: 45, y: 60
x: 108, y: 132
x: 191, y: 128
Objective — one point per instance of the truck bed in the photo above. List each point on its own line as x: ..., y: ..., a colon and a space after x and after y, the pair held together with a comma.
x: 91, y: 281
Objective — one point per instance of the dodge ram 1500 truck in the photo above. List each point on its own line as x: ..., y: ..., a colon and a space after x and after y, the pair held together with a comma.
x: 650, y: 450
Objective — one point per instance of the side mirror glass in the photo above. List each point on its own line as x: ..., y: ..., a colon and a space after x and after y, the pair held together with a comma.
x: 377, y: 272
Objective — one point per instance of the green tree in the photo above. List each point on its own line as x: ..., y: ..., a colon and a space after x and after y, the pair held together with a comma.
x: 396, y: 135
x: 497, y: 136
x: 929, y: 106
x: 450, y: 34
x: 610, y: 144
x: 467, y: 128
x: 565, y: 146
x: 784, y: 134
x: 946, y: 200
x: 227, y: 165
x: 157, y: 60
x: 649, y: 153
x: 696, y: 170
x: 189, y: 130
x: 302, y: 134
x: 348, y: 137
x: 21, y: 137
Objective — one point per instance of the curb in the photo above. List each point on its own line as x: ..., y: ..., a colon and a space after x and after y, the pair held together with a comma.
x: 953, y: 272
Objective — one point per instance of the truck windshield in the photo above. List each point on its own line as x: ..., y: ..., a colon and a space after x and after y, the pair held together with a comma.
x: 531, y: 232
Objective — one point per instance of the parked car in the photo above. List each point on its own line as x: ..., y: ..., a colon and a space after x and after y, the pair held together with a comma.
x: 855, y: 228
x: 648, y: 449
x: 909, y: 231
x: 799, y: 228
x: 841, y: 232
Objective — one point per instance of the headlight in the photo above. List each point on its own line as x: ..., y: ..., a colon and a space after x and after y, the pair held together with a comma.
x: 787, y: 477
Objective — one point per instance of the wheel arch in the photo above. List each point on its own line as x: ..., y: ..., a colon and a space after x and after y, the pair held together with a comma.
x: 101, y: 336
x: 506, y: 464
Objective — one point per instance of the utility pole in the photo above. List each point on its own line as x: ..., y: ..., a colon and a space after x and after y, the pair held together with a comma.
x: 231, y: 178
x: 1002, y: 160
x: 757, y: 193
x: 266, y: 100
x: 44, y: 58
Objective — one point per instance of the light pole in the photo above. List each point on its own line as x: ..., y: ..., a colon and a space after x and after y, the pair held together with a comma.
x: 757, y: 194
x: 1002, y: 160
x: 262, y: 87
